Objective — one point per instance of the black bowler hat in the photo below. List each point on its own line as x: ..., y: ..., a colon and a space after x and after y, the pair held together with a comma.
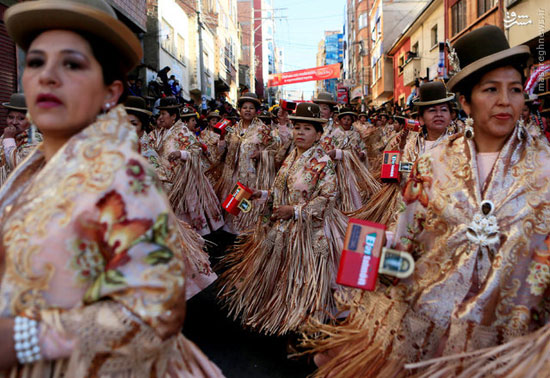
x: 168, y: 103
x: 17, y: 102
x: 308, y: 112
x: 347, y: 111
x: 482, y: 49
x: 433, y: 93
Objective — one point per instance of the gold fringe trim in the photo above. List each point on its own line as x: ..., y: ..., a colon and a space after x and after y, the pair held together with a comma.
x: 526, y: 356
x: 382, y: 207
x: 266, y: 170
x: 354, y: 175
x: 192, y: 194
x: 275, y: 288
x: 360, y: 345
x: 195, y: 257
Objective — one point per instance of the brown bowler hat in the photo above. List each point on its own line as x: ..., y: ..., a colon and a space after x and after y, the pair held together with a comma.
x: 433, y: 93
x: 188, y: 112
x: 324, y: 98
x: 214, y: 114
x: 26, y: 20
x: 481, y: 49
x: 308, y: 112
x: 249, y: 97
x: 136, y: 104
x: 17, y: 102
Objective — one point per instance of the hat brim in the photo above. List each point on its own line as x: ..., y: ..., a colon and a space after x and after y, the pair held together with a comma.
x: 138, y: 110
x: 189, y: 115
x: 322, y: 101
x: 214, y: 116
x: 518, y: 54
x: 434, y: 102
x: 24, y: 21
x: 309, y: 119
x: 11, y: 107
x: 340, y: 115
x: 242, y: 100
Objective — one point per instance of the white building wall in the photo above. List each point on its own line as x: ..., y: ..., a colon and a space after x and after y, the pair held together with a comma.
x: 176, y: 58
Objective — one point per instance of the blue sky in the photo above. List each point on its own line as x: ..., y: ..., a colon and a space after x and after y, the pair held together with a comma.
x: 301, y: 31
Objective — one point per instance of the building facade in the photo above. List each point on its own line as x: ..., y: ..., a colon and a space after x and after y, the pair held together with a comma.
x: 387, y: 21
x: 357, y: 70
x: 247, y: 73
x: 418, y: 53
x: 8, y: 64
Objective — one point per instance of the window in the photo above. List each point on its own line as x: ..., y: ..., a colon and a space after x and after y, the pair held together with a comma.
x: 363, y: 20
x: 374, y: 73
x: 167, y: 37
x: 483, y: 6
x: 401, y: 63
x: 434, y: 36
x: 402, y: 101
x: 379, y: 68
x: 181, y: 48
x: 378, y: 29
x: 458, y: 17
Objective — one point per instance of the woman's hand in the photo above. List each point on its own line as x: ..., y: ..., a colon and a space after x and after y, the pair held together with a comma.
x: 174, y: 156
x: 10, y: 132
x: 332, y: 154
x: 283, y: 213
x: 256, y: 194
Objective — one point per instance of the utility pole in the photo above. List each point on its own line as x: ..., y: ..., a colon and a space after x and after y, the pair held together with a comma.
x: 201, y: 55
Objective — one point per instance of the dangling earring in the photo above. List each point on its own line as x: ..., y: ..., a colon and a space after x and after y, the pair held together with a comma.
x: 106, y: 107
x: 469, y: 129
x: 522, y: 131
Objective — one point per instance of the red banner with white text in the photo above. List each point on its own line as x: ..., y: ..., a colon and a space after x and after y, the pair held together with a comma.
x: 331, y: 71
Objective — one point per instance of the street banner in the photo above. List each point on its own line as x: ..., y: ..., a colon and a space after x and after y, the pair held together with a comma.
x: 331, y: 71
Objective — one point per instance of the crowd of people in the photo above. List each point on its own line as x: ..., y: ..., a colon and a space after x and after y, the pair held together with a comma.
x: 106, y: 209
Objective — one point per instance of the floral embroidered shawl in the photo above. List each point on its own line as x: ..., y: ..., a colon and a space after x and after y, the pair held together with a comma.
x: 481, y: 277
x: 190, y: 193
x: 285, y: 271
x: 91, y: 249
x: 238, y: 165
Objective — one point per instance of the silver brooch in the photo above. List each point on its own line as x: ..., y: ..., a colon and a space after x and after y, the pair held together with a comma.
x: 483, y: 230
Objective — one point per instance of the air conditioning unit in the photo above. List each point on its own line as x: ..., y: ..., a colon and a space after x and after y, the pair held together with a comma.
x: 411, y: 71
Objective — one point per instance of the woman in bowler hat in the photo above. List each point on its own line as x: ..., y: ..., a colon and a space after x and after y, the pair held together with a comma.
x: 248, y: 157
x: 93, y: 279
x: 298, y: 240
x: 476, y: 222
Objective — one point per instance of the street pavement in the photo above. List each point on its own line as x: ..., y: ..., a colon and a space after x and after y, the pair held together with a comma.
x: 238, y: 352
